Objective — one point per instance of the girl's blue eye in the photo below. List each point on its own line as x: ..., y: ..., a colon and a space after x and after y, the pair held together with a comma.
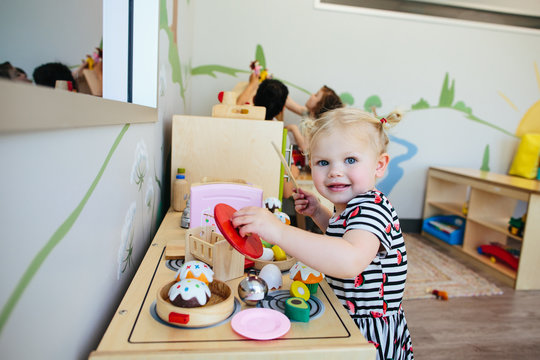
x: 322, y: 163
x: 350, y: 160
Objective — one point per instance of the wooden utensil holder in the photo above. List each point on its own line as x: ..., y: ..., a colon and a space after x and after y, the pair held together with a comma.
x: 204, y: 244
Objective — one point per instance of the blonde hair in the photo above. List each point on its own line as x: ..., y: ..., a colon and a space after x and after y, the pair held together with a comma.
x: 348, y: 117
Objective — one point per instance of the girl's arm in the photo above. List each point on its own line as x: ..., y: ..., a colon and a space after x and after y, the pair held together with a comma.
x: 294, y: 106
x: 246, y: 97
x: 298, y: 137
x: 343, y: 257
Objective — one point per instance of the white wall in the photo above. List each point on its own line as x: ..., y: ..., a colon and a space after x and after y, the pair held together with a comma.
x: 400, y: 59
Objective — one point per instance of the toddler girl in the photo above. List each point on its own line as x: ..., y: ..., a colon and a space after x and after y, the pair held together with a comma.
x: 362, y: 251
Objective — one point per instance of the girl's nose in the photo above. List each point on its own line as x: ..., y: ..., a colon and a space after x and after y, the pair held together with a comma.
x: 335, y: 171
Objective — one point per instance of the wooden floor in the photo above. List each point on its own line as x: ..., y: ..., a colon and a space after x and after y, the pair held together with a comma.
x: 487, y: 327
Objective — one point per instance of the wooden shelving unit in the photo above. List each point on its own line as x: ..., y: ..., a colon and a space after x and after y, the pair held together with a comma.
x: 491, y: 200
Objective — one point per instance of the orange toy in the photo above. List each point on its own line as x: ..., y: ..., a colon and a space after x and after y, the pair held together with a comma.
x: 307, y: 275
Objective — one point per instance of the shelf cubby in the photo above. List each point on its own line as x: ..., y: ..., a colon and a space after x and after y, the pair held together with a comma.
x: 491, y: 200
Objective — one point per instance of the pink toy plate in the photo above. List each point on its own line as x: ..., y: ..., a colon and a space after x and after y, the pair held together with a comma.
x: 261, y: 323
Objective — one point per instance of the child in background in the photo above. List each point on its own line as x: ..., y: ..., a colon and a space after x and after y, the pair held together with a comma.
x: 362, y: 251
x: 323, y: 100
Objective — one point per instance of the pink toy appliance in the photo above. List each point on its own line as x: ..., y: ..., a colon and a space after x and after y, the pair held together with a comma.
x: 205, y: 196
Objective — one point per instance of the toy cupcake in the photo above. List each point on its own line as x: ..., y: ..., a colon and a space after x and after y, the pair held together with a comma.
x: 195, y: 270
x: 188, y: 293
x: 307, y: 275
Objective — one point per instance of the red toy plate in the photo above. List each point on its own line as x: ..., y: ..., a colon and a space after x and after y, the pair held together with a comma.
x: 249, y: 246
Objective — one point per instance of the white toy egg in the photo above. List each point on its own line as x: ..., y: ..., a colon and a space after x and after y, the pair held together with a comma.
x: 267, y: 255
x: 272, y: 275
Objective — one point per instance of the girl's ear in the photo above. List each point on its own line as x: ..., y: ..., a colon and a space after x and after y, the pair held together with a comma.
x: 382, y: 163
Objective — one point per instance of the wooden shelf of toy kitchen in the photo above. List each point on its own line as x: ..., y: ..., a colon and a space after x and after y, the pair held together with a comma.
x: 134, y: 333
x: 491, y: 199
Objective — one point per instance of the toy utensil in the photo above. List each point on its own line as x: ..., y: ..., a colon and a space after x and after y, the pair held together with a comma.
x: 250, y: 245
x: 285, y: 165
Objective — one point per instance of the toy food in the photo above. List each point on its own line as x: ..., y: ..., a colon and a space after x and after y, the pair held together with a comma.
x: 268, y: 254
x: 279, y: 254
x: 189, y: 293
x: 195, y: 270
x: 284, y: 218
x: 272, y: 275
x: 307, y: 275
x: 297, y: 309
x: 272, y: 204
x: 299, y: 289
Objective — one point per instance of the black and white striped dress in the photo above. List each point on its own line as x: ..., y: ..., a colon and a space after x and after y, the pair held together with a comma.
x: 373, y: 298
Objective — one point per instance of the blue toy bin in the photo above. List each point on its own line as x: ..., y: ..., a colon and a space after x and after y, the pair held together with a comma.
x: 455, y: 237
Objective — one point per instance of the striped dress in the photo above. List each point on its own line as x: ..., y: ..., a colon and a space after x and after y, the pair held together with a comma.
x: 373, y: 297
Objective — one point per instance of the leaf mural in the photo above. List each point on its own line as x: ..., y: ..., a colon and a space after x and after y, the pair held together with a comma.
x: 174, y: 58
x: 55, y: 238
x: 460, y: 105
x: 421, y: 104
x: 210, y: 70
x: 447, y: 93
x: 485, y: 159
x: 446, y: 99
x: 259, y: 56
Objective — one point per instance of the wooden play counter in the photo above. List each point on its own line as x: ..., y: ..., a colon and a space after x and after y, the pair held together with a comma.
x: 135, y: 333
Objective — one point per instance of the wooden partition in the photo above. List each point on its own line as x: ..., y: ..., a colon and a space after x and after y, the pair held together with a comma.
x: 226, y: 149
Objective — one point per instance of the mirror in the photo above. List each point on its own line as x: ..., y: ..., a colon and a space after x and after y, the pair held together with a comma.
x: 38, y: 32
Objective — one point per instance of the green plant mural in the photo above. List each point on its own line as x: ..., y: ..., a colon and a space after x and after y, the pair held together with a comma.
x: 173, y: 56
x: 56, y: 237
x: 446, y: 100
x: 373, y: 102
x: 485, y: 159
x: 447, y: 93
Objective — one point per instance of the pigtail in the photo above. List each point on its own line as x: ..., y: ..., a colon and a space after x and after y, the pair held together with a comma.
x: 307, y: 128
x: 392, y: 119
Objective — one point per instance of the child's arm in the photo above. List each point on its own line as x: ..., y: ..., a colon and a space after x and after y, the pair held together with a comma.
x: 246, y: 97
x: 294, y: 106
x: 307, y: 204
x: 298, y: 137
x: 343, y: 257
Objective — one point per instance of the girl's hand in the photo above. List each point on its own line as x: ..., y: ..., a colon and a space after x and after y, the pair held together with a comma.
x: 306, y: 203
x: 259, y: 221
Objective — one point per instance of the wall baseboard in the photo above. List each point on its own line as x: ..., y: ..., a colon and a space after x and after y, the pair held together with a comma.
x: 411, y: 225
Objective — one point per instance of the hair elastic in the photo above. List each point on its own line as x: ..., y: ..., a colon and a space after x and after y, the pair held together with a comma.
x: 383, y: 120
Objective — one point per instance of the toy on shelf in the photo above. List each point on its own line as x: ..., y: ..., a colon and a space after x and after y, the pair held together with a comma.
x: 465, y: 208
x: 499, y: 253
x: 517, y: 225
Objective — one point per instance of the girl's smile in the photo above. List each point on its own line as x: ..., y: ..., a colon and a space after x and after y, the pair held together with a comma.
x: 345, y: 164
